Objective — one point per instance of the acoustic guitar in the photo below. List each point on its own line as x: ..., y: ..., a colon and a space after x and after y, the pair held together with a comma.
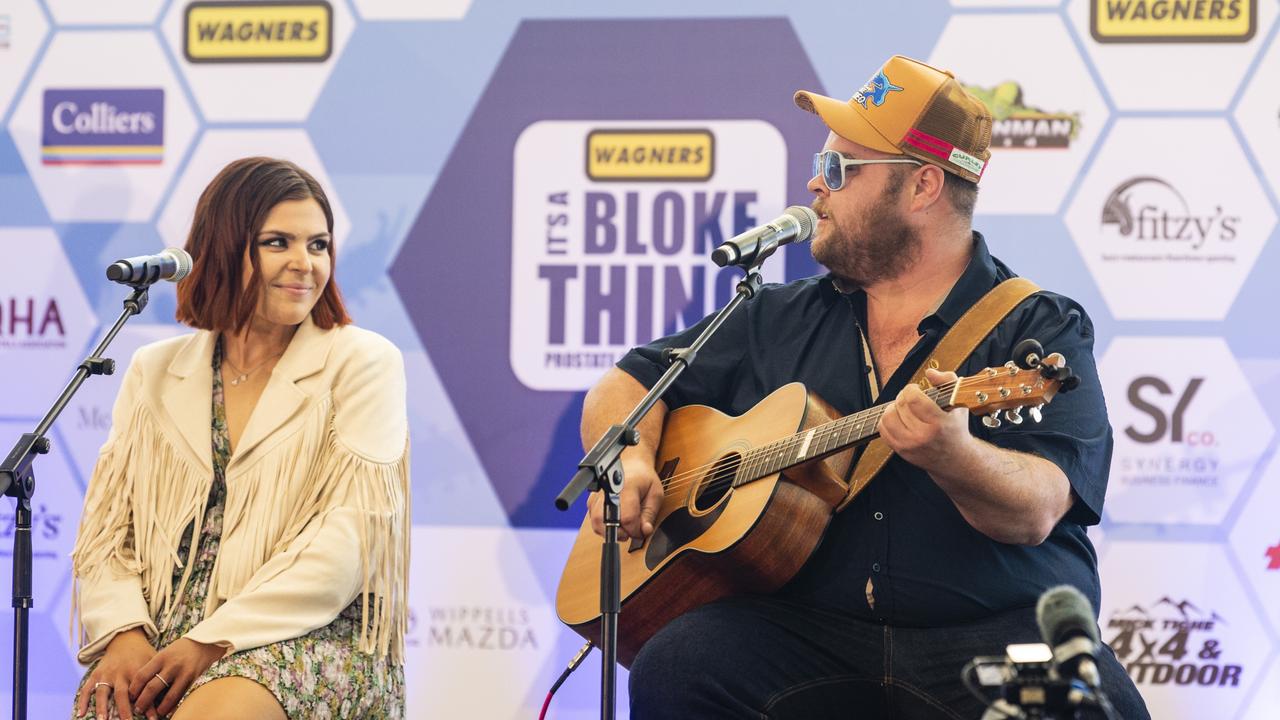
x: 747, y: 498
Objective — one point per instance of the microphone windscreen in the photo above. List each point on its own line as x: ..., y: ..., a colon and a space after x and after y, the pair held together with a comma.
x: 807, y: 218
x: 182, y: 259
x: 1064, y: 612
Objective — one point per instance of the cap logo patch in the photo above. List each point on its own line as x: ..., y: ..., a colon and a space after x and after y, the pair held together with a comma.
x: 876, y: 90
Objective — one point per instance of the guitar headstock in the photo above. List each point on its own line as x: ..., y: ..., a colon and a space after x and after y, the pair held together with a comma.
x: 1005, y: 391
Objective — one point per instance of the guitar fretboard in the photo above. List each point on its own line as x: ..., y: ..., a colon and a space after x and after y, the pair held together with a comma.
x: 822, y: 440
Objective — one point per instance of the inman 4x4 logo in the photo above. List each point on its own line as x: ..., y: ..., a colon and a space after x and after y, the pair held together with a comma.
x: 258, y: 31
x: 1017, y: 125
x: 1154, y: 21
x: 1171, y: 642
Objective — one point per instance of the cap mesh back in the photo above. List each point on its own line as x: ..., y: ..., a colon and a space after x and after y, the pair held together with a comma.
x: 960, y: 119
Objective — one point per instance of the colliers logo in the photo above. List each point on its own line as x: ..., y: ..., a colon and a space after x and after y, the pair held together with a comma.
x: 1154, y: 21
x: 103, y: 126
x: 656, y: 155
x: 1018, y: 125
x: 248, y: 31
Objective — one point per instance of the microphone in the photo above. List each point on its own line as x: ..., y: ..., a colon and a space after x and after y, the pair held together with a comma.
x: 753, y: 246
x: 1066, y: 623
x: 170, y: 264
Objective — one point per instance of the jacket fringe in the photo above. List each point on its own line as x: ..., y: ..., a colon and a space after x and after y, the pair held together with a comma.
x: 144, y: 494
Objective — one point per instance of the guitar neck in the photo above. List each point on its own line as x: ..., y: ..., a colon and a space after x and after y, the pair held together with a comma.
x: 823, y: 440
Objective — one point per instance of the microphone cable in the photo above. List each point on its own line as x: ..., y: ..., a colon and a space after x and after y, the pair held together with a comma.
x: 573, y: 665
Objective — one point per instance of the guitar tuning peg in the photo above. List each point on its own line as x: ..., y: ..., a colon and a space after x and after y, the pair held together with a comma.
x: 992, y: 420
x: 1069, y: 382
x: 1014, y: 416
x: 1028, y: 353
x: 1035, y: 413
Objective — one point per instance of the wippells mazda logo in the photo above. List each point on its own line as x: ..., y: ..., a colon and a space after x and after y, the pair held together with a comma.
x: 1172, y: 641
x: 471, y: 627
x: 1154, y: 21
x: 1161, y: 225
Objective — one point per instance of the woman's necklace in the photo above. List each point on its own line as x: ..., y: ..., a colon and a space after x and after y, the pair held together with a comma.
x: 243, y: 375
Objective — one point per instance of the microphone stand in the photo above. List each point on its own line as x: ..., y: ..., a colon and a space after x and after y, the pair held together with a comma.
x: 17, y: 480
x: 599, y: 470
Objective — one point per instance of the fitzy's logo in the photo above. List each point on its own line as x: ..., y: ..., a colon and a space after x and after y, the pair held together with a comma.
x: 1172, y: 642
x: 1149, y: 209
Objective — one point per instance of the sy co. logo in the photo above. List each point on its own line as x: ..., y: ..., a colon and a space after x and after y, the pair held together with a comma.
x: 1167, y: 407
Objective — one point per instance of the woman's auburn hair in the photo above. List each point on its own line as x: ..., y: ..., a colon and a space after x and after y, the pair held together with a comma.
x: 229, y: 215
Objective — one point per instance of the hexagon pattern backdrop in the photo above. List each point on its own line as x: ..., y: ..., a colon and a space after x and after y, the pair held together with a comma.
x: 1135, y: 168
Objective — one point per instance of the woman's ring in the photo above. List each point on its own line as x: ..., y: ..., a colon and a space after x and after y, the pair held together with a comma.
x: 166, y: 682
x: 100, y: 684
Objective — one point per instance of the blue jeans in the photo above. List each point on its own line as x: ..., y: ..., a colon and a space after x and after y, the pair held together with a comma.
x: 770, y: 658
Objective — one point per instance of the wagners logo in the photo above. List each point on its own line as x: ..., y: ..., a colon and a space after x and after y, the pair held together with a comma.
x: 1154, y: 21
x: 103, y: 126
x: 657, y: 155
x: 240, y: 32
x: 1017, y: 125
x: 612, y: 226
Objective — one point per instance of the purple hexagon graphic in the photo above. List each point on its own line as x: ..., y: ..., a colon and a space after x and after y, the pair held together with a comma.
x: 576, y: 212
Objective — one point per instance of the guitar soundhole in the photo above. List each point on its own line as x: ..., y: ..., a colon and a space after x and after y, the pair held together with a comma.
x: 717, y: 483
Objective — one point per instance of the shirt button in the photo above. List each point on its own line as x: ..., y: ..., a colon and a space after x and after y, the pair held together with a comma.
x: 879, y: 515
x: 875, y: 567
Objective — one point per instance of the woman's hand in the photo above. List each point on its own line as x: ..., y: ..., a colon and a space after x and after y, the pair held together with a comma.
x: 109, y: 682
x: 170, y: 673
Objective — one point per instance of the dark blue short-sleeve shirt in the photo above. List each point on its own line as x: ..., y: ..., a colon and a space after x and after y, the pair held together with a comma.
x: 926, y: 565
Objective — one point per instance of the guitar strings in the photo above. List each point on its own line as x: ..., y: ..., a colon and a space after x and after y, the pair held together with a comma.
x: 728, y: 474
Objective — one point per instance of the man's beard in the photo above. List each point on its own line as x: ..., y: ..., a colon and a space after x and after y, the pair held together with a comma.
x: 880, y: 246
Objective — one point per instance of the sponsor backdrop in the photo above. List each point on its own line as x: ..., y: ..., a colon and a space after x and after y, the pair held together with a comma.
x: 525, y: 189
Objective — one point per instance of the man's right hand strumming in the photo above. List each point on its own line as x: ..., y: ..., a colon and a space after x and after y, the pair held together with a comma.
x: 637, y: 504
x: 609, y: 401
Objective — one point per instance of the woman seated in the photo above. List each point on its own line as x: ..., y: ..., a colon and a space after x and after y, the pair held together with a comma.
x: 243, y: 551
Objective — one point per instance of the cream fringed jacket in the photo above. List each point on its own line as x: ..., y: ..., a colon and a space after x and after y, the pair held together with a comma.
x: 317, y: 504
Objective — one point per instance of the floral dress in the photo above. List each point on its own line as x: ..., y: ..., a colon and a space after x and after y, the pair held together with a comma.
x: 322, y: 674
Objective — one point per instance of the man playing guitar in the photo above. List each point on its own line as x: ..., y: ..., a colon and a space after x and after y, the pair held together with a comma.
x: 944, y: 555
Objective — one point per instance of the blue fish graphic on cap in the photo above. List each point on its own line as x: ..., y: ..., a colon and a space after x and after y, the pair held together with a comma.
x: 877, y: 89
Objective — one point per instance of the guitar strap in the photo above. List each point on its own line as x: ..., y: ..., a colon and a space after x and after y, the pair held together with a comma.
x: 952, y: 350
